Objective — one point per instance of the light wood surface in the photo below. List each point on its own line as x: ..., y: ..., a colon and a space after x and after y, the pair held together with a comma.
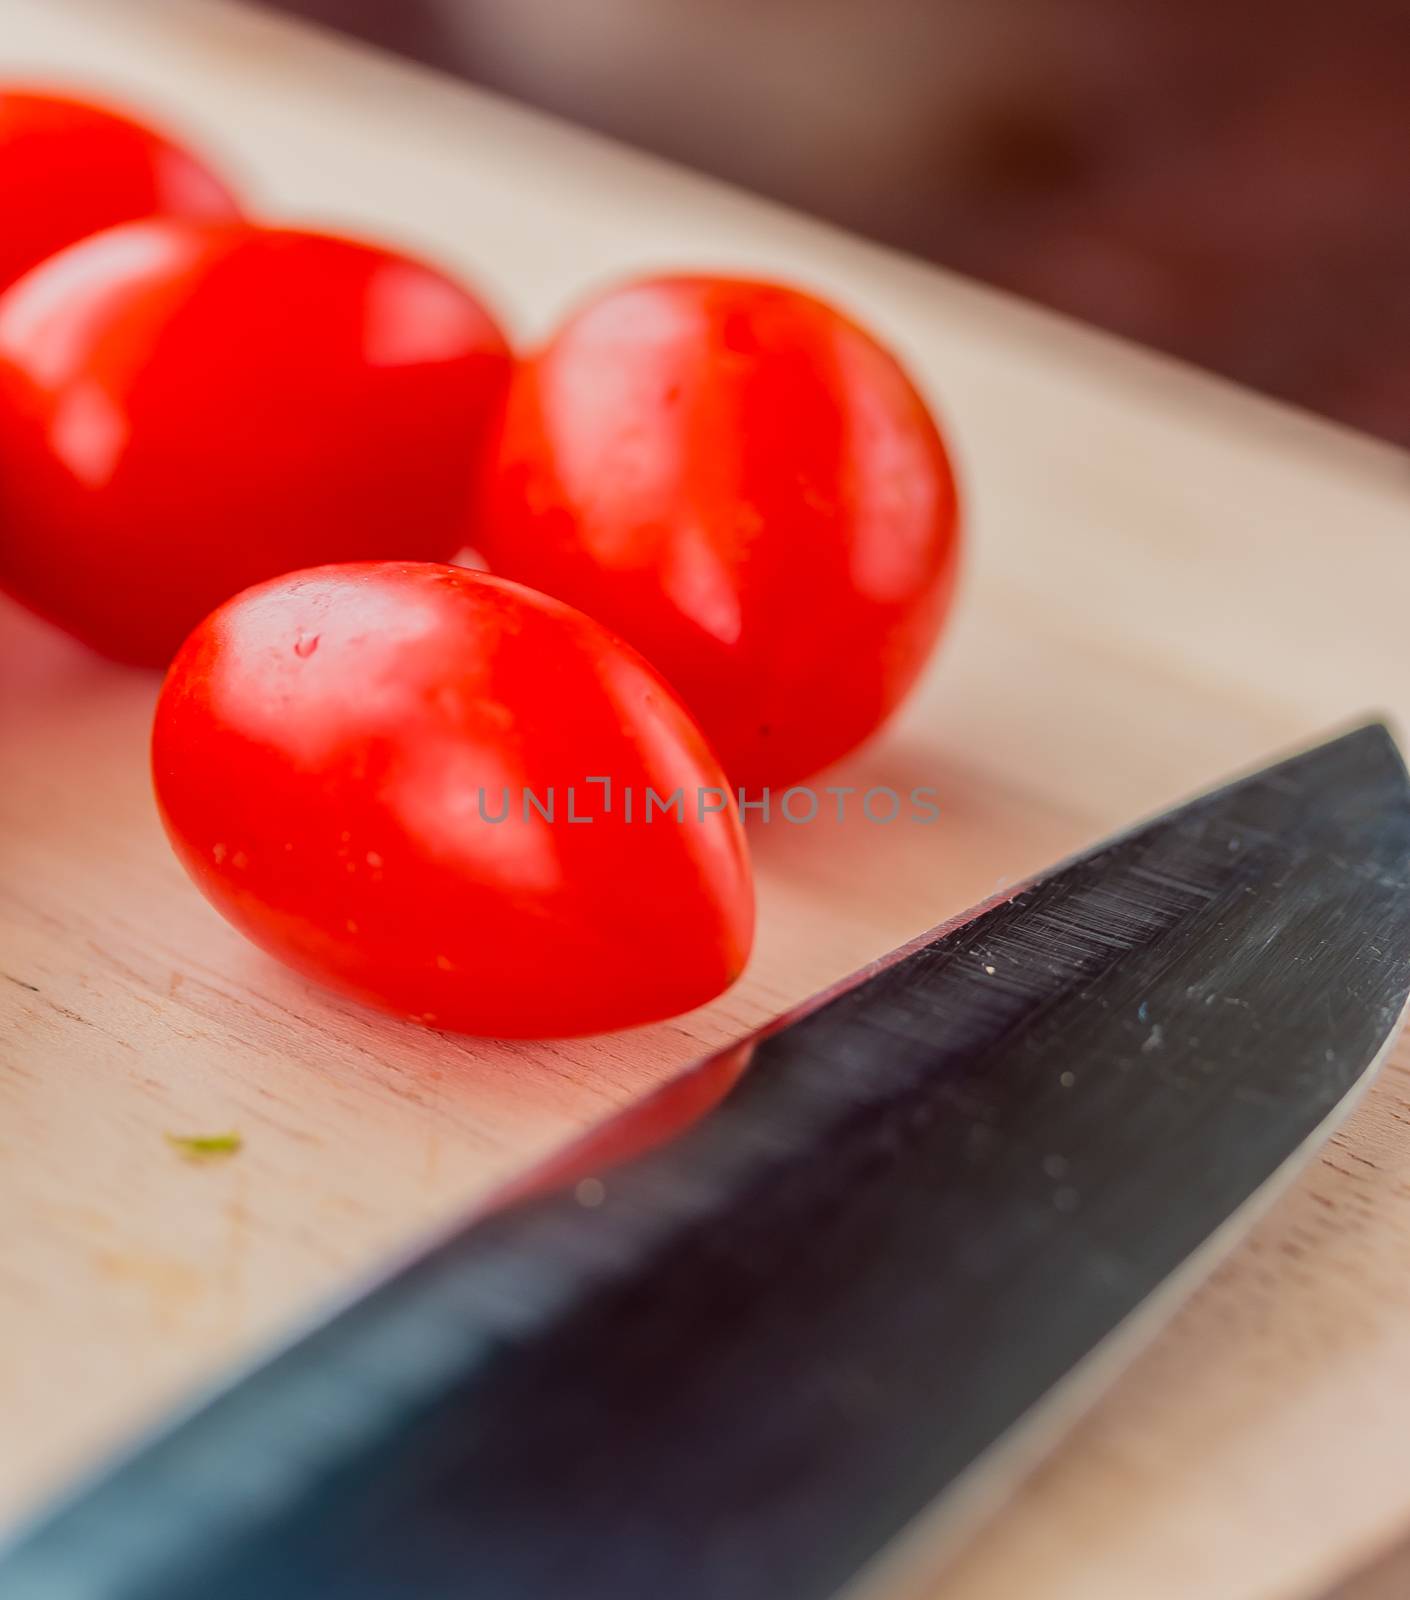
x: 1167, y: 580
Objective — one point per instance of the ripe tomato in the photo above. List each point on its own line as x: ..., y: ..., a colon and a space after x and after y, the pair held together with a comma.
x: 187, y: 408
x: 68, y: 169
x: 344, y: 757
x: 745, y: 485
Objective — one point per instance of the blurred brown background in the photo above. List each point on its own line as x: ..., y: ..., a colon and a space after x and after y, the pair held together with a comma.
x: 1228, y: 180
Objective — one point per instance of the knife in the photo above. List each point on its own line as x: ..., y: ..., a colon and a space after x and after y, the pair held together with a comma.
x: 732, y: 1343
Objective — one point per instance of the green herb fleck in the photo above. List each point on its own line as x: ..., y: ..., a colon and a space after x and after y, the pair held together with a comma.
x: 205, y: 1146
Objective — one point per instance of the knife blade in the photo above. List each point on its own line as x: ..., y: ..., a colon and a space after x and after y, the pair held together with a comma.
x: 731, y: 1344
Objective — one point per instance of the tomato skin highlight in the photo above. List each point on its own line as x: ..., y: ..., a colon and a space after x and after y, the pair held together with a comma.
x: 190, y: 408
x: 69, y: 168
x: 327, y: 750
x: 744, y: 484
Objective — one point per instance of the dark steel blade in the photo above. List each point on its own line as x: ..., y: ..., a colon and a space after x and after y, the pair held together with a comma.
x: 733, y: 1364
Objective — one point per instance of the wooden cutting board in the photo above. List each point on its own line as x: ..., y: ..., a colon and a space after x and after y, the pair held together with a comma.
x: 1167, y: 580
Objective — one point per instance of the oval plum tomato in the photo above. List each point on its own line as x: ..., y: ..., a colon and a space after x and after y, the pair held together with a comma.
x: 68, y: 168
x: 188, y: 408
x: 744, y: 484
x: 428, y: 788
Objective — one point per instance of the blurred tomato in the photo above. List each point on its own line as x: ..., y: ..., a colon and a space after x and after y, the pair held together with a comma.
x: 68, y: 169
x: 745, y: 485
x: 188, y: 408
x: 343, y: 760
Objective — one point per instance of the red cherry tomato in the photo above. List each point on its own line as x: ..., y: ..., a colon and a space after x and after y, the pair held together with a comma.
x: 344, y: 760
x: 746, y: 486
x: 68, y: 169
x: 188, y: 408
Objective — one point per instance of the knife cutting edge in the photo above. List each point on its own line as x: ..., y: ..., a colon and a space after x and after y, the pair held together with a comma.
x: 732, y: 1343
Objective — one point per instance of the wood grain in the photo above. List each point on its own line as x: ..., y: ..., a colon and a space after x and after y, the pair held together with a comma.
x: 1167, y: 580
